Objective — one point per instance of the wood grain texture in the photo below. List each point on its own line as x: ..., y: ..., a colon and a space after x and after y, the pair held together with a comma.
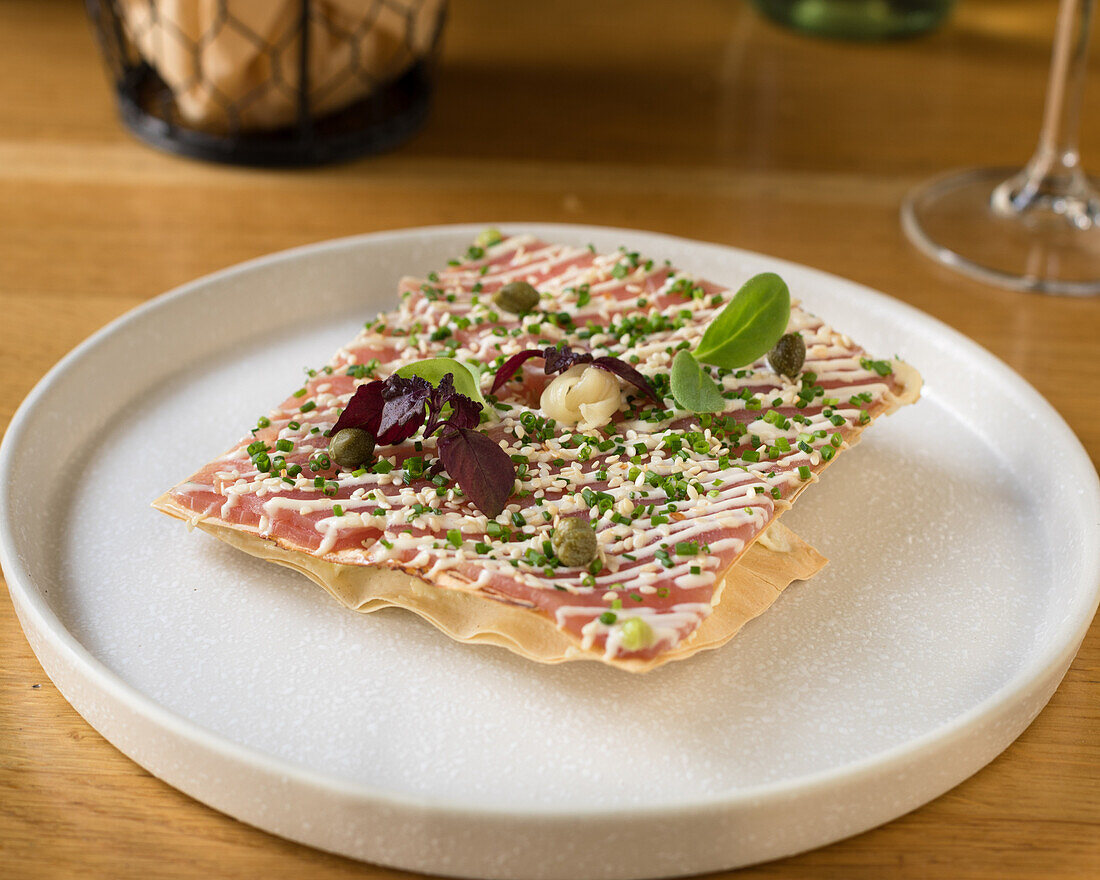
x: 694, y: 118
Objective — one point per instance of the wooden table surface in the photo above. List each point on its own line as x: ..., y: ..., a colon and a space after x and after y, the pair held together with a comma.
x: 705, y: 122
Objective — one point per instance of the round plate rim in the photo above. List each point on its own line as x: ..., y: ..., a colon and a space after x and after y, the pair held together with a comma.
x: 1054, y: 655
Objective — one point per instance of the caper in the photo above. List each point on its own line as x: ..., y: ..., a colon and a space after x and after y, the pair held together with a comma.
x: 351, y: 448
x: 517, y: 297
x: 574, y: 542
x: 788, y: 355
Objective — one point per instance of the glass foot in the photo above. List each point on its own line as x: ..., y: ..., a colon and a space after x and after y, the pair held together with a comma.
x: 971, y: 222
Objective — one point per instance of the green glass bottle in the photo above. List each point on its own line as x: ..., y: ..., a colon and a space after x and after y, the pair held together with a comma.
x: 858, y: 19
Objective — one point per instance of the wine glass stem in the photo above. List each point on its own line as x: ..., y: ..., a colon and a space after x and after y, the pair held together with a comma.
x: 1053, y: 178
x: 1062, y: 116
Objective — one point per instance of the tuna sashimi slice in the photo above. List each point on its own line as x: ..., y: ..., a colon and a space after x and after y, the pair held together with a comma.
x: 676, y: 499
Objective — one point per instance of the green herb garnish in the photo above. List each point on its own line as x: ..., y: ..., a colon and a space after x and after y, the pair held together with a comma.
x: 750, y: 325
x: 745, y: 330
x: 692, y: 387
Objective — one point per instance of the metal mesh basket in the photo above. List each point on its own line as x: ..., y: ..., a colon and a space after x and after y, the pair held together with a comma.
x: 323, y: 81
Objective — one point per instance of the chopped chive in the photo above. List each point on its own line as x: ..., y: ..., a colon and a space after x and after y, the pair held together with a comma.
x: 883, y: 368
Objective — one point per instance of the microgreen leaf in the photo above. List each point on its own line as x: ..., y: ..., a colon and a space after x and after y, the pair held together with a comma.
x: 750, y: 324
x: 394, y: 409
x: 442, y: 392
x: 558, y: 359
x: 404, y: 405
x: 364, y: 410
x: 692, y: 387
x: 624, y: 371
x: 465, y: 413
x: 509, y: 367
x: 481, y: 468
x: 434, y: 369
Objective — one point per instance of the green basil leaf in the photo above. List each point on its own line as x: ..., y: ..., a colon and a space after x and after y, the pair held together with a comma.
x: 750, y: 324
x: 434, y: 369
x: 693, y: 388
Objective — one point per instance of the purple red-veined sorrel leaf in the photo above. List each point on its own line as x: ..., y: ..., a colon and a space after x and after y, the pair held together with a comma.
x: 365, y: 409
x: 509, y: 367
x: 559, y: 359
x: 393, y: 409
x: 404, y: 404
x: 480, y: 467
x: 465, y: 411
x: 555, y: 360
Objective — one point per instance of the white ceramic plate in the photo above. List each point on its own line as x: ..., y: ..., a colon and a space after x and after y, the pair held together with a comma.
x: 965, y: 569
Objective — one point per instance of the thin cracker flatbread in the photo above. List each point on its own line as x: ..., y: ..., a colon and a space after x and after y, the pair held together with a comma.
x: 748, y: 590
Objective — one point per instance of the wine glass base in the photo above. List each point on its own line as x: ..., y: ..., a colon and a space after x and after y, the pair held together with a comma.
x: 953, y: 220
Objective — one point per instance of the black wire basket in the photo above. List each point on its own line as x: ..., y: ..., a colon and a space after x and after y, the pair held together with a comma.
x: 279, y: 110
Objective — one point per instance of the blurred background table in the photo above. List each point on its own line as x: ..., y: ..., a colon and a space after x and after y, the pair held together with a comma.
x: 695, y: 118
